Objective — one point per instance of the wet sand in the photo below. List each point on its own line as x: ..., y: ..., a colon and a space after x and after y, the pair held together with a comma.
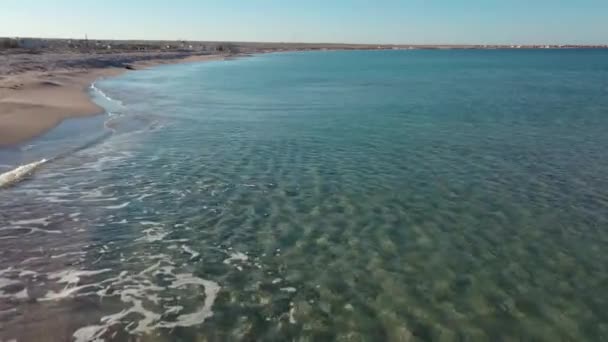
x: 34, y: 101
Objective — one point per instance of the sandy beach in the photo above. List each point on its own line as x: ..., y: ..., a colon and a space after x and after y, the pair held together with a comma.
x: 37, y: 92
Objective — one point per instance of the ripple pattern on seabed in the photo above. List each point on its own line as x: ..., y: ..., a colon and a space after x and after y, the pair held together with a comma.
x: 149, y: 287
x: 405, y: 228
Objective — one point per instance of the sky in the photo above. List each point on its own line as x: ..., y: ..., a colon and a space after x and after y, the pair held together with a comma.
x: 338, y: 21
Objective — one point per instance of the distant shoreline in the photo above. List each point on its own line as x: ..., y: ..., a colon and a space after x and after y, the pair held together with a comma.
x: 45, y: 81
x: 252, y: 47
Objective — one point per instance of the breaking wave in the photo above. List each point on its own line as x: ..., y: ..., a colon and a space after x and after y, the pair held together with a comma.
x: 18, y: 174
x: 104, y: 95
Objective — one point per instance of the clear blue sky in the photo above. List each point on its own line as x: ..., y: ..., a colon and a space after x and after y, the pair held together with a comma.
x: 348, y: 21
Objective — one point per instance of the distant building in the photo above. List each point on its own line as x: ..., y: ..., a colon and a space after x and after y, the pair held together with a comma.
x: 31, y: 43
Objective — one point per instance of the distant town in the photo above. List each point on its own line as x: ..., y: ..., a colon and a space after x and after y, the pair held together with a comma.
x: 11, y: 44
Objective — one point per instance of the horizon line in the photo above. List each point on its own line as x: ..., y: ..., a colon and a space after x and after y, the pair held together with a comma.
x: 308, y: 42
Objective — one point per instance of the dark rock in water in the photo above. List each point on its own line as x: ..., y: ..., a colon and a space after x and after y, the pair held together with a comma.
x: 129, y: 67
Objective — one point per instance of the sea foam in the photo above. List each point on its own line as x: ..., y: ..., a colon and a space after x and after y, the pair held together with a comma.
x: 16, y: 175
x: 104, y: 95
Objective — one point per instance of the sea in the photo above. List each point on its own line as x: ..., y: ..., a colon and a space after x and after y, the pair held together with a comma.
x: 418, y: 195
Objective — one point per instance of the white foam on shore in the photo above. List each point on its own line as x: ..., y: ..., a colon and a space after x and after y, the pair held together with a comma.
x: 63, y: 255
x: 43, y: 221
x: 73, y: 276
x: 16, y: 175
x: 236, y: 256
x: 153, y: 234
x: 34, y: 230
x: 104, y: 95
x: 97, y: 195
x: 150, y: 223
x: 138, y: 290
x: 21, y: 294
x: 5, y: 282
x: 30, y: 259
x: 55, y: 199
x: 142, y: 197
x: 292, y: 312
x: 27, y: 273
x: 89, y: 333
x: 189, y: 250
x: 120, y: 206
x: 198, y: 317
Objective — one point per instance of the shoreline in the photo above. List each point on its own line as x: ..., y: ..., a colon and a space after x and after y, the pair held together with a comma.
x: 38, y: 93
x: 34, y: 102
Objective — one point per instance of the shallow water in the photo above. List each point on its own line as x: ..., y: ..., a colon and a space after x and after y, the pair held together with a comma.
x: 422, y: 195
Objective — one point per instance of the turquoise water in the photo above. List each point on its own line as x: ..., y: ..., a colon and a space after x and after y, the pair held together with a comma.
x: 383, y: 195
